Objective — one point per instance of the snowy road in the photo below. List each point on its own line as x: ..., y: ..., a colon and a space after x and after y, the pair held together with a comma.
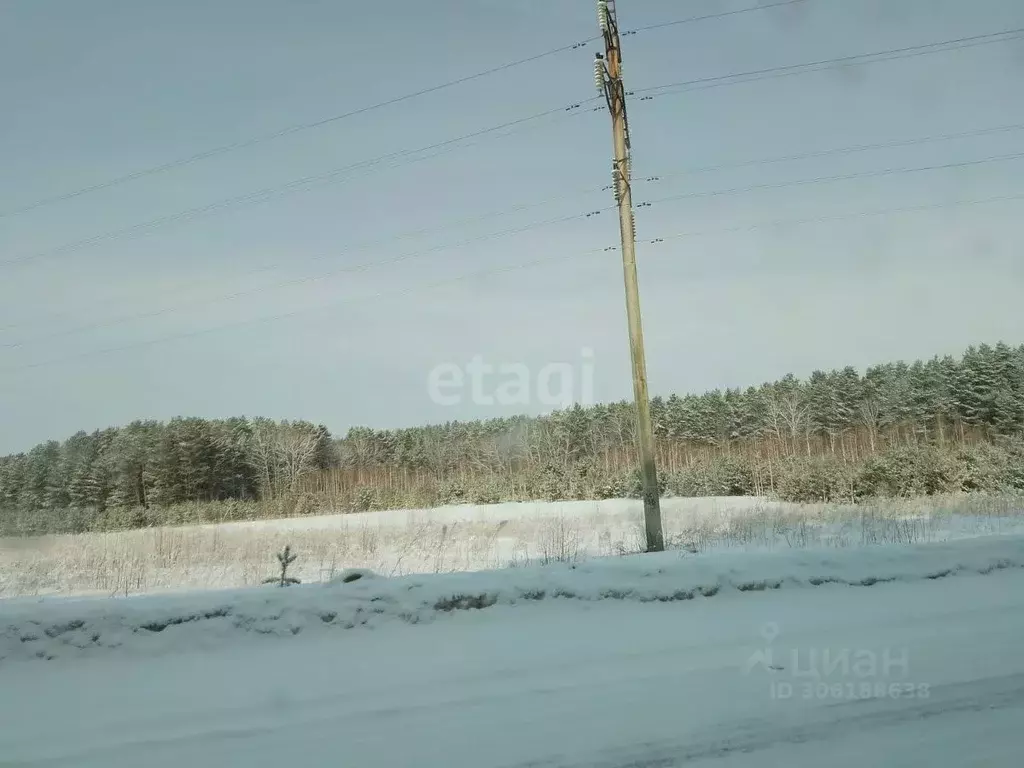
x: 611, y: 684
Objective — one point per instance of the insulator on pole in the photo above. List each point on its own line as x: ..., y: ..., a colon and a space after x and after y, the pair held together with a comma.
x: 599, y: 75
x: 602, y: 14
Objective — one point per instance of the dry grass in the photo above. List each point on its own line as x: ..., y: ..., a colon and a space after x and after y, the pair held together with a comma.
x: 467, y: 538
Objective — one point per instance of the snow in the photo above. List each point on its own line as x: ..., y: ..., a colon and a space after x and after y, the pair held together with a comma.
x: 681, y: 507
x: 51, y: 628
x: 468, y: 538
x: 570, y: 683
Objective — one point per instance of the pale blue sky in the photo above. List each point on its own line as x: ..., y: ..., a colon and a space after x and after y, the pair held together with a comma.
x: 92, y: 91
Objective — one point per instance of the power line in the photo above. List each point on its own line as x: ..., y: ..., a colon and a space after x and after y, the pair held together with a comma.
x: 709, y: 16
x: 353, y: 269
x: 837, y: 217
x: 721, y: 80
x: 494, y: 271
x: 359, y: 247
x: 652, y: 178
x: 300, y: 127
x: 297, y: 184
x: 890, y: 54
x: 592, y: 190
x: 292, y: 129
x: 296, y: 313
x: 838, y: 177
x: 850, y: 149
x: 548, y: 222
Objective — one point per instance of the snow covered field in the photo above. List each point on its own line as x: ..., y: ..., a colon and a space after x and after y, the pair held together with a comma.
x: 888, y: 656
x: 468, y: 538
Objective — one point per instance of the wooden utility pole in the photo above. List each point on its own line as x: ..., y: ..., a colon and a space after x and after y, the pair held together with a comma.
x: 608, y: 78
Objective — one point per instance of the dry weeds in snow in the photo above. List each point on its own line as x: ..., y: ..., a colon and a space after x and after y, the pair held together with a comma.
x: 467, y: 538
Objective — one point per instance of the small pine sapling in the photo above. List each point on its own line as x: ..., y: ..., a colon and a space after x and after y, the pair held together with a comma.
x: 285, y: 558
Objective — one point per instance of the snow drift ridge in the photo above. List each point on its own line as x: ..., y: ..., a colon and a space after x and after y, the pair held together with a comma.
x: 49, y: 628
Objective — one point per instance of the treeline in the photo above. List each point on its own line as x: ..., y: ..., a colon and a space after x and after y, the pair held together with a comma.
x: 841, y: 412
x: 117, y: 477
x: 758, y: 440
x: 949, y: 422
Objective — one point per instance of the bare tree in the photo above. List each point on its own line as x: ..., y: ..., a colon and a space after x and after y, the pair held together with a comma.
x: 870, y: 412
x: 296, y: 450
x: 260, y: 448
x: 282, y: 453
x: 787, y: 412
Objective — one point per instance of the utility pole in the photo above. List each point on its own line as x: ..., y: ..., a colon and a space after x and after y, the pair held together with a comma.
x: 608, y: 78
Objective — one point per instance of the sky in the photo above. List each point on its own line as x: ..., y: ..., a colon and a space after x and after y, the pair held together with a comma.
x: 335, y: 298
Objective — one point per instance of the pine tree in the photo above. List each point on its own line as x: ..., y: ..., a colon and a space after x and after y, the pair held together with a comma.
x: 13, y: 477
x: 924, y: 400
x: 659, y: 417
x: 675, y: 418
x: 129, y: 460
x: 284, y: 559
x: 43, y: 461
x: 894, y: 395
x: 188, y: 459
x: 1007, y: 397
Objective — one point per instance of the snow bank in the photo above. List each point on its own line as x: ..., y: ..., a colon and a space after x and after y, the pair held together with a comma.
x: 49, y: 628
x: 684, y: 507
